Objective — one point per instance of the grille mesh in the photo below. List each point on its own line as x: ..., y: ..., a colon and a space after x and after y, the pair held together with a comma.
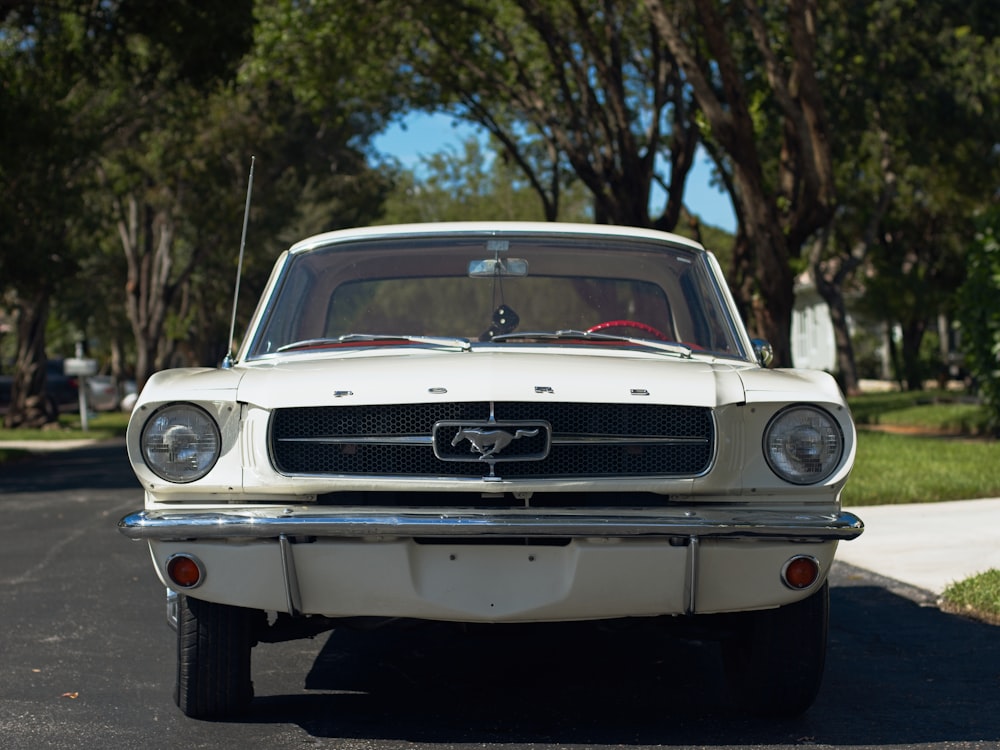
x: 588, y: 440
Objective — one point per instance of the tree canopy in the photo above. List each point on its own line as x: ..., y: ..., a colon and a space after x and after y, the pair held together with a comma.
x: 145, y: 116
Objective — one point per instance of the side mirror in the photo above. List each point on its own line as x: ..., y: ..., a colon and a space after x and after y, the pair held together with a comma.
x: 764, y: 352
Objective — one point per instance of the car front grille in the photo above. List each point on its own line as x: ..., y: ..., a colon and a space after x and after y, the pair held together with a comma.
x: 560, y: 440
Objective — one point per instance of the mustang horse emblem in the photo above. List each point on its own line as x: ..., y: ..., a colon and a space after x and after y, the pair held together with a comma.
x: 489, y: 442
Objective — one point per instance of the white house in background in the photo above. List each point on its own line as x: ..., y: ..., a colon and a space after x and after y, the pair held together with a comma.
x: 813, y: 344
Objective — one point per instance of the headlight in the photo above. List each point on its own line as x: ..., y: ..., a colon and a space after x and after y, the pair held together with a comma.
x: 180, y: 443
x: 803, y: 444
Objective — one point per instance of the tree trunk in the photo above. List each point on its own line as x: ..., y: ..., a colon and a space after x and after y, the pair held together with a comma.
x: 830, y: 276
x: 147, y: 237
x: 29, y: 404
x: 765, y: 281
x: 847, y: 369
x: 913, y: 371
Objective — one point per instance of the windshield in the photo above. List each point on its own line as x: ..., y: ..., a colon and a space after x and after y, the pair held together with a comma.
x: 406, y: 290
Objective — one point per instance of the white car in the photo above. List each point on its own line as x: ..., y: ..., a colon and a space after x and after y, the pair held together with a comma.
x: 495, y: 422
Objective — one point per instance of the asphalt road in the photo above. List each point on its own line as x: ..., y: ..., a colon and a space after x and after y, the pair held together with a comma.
x: 86, y: 660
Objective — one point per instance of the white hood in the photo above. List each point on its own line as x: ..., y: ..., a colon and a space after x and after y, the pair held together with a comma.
x: 421, y: 375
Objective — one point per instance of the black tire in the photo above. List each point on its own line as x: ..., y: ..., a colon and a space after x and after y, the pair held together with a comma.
x: 213, y: 658
x: 774, y: 660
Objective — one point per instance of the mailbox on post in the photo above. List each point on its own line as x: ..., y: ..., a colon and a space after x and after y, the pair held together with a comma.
x: 83, y: 368
x: 80, y: 367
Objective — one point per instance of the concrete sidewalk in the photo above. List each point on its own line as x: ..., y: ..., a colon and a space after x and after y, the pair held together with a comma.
x: 927, y: 545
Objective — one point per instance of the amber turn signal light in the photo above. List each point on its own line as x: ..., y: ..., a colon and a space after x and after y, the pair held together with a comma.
x: 800, y: 572
x: 185, y: 571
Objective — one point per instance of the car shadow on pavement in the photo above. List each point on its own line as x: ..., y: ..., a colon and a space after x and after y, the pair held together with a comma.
x: 897, y: 673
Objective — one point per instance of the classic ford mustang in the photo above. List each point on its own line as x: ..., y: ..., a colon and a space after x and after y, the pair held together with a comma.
x: 495, y: 422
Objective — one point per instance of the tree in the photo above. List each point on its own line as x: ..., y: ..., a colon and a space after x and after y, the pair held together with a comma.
x: 475, y: 184
x: 913, y: 137
x: 175, y: 176
x: 575, y: 89
x: 979, y: 314
x: 47, y: 124
x: 753, y: 75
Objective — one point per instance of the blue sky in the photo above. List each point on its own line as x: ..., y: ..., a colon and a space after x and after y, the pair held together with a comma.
x: 428, y: 134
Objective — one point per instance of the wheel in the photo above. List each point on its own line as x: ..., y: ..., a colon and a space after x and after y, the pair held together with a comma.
x: 774, y: 661
x: 644, y: 327
x: 213, y: 657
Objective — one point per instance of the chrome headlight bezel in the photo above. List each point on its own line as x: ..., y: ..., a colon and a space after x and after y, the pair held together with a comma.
x: 180, y: 442
x: 803, y: 444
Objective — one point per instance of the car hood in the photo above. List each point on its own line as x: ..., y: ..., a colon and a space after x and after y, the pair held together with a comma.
x: 420, y: 376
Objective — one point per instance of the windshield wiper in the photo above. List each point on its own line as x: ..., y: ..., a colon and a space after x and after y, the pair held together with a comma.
x: 665, y: 346
x: 441, y: 342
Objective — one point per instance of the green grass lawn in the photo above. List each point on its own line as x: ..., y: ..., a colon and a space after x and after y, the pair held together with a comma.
x: 100, y: 426
x: 977, y: 597
x: 927, y: 411
x: 921, y: 447
x: 892, y: 468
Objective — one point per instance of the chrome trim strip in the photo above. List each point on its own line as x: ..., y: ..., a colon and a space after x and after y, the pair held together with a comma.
x: 363, y: 440
x: 625, y: 440
x: 429, y: 440
x: 272, y: 523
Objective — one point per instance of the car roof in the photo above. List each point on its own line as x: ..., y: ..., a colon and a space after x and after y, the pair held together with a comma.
x: 393, y: 231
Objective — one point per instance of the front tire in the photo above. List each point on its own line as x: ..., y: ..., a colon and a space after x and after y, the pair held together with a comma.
x: 774, y: 661
x: 213, y: 658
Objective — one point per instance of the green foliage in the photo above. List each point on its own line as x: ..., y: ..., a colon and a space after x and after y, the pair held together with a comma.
x: 47, y: 124
x: 979, y: 313
x: 568, y: 89
x: 912, y: 95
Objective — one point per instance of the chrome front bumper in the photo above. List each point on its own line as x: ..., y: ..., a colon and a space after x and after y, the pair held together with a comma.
x: 274, y: 523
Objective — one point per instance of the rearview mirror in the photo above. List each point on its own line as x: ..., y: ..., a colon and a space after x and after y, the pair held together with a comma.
x: 484, y: 269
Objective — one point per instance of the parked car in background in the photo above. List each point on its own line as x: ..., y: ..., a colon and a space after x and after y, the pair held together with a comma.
x: 130, y: 394
x: 102, y: 393
x: 495, y: 423
x: 61, y: 391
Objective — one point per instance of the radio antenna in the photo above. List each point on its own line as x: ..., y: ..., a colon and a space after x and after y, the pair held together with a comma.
x: 228, y: 361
